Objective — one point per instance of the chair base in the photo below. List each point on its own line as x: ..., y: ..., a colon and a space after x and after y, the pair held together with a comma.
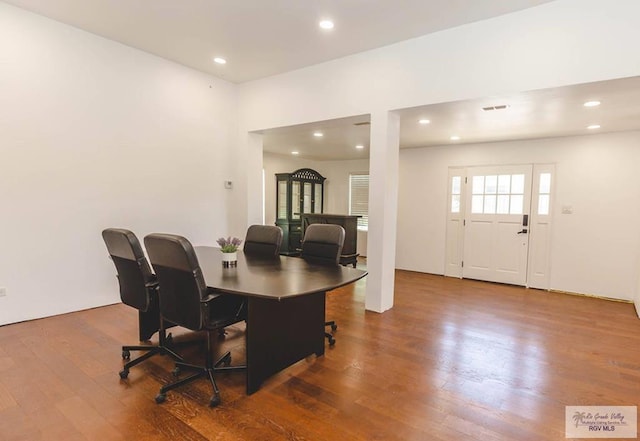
x: 329, y: 336
x: 330, y: 339
x: 151, y: 350
x: 201, y: 371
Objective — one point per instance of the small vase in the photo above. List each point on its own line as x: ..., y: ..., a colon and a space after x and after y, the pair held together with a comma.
x: 229, y: 259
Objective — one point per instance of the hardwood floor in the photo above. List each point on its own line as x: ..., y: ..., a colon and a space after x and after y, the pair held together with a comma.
x: 453, y: 360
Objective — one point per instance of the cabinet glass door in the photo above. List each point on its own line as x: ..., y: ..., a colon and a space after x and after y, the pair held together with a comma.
x: 295, y: 200
x: 317, y: 202
x: 282, y: 199
x: 306, y: 205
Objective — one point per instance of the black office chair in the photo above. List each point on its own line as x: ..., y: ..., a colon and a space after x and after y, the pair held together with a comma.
x: 263, y: 241
x: 322, y: 243
x: 138, y: 289
x: 186, y: 301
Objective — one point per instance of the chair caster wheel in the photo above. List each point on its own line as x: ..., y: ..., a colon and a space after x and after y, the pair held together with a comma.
x: 126, y: 355
x: 221, y: 333
x: 169, y: 340
x: 160, y: 398
x: 124, y: 374
x: 332, y: 341
x: 215, y: 400
x: 334, y: 327
x: 176, y: 371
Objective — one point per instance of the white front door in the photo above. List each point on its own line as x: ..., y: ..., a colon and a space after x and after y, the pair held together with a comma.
x: 496, y: 226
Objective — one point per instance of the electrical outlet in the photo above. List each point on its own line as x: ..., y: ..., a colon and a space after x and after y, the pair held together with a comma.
x: 3, y: 291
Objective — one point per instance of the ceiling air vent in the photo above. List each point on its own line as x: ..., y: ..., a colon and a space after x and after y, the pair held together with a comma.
x: 364, y: 123
x: 500, y: 107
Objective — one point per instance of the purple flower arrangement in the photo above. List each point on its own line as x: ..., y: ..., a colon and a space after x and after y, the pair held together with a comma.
x: 229, y: 245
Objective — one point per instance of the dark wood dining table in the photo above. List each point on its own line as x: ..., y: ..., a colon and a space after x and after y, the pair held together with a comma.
x: 286, y: 305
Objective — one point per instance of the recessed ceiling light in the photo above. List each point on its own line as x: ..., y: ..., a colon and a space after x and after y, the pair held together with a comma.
x: 359, y: 146
x: 326, y: 24
x: 593, y: 126
x: 318, y: 134
x: 220, y: 60
x: 592, y: 103
x: 455, y: 138
x: 424, y: 121
x: 295, y: 153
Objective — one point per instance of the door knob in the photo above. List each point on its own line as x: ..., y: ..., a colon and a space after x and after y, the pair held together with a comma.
x: 523, y: 231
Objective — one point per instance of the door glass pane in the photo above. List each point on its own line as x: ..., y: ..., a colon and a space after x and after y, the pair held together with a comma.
x: 455, y: 203
x: 306, y: 206
x: 317, y: 201
x: 517, y: 202
x: 295, y: 200
x: 503, y: 204
x: 504, y: 184
x: 476, y: 203
x: 282, y: 199
x: 489, y: 204
x: 490, y: 184
x: 517, y: 184
x: 545, y: 183
x: 543, y: 204
x: 478, y: 185
x: 455, y: 185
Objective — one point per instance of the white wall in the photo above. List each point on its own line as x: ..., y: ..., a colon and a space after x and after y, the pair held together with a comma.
x: 95, y: 134
x: 75, y: 105
x: 594, y: 250
x: 555, y: 44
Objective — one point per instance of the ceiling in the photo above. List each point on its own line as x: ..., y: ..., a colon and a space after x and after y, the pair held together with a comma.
x: 535, y: 114
x: 259, y: 38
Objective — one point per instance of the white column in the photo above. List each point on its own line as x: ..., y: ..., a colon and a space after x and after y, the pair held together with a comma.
x: 383, y: 210
x: 254, y: 179
x: 245, y: 199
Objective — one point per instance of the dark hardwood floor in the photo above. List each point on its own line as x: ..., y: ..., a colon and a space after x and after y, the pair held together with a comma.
x: 453, y: 360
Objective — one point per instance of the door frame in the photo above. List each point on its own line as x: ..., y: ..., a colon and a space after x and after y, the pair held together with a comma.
x: 538, y: 272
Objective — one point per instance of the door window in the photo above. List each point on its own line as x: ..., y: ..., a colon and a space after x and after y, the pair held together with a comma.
x: 497, y: 194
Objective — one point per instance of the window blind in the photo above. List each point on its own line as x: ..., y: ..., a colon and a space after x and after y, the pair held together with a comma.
x: 359, y: 198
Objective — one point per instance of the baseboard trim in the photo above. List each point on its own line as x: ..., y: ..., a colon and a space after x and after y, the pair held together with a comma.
x: 594, y: 296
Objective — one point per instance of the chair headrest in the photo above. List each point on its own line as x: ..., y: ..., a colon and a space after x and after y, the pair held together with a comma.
x: 122, y: 243
x: 264, y: 234
x: 171, y: 251
x: 324, y: 233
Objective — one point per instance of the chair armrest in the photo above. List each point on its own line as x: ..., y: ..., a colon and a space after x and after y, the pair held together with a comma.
x: 228, y: 308
x: 210, y: 296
